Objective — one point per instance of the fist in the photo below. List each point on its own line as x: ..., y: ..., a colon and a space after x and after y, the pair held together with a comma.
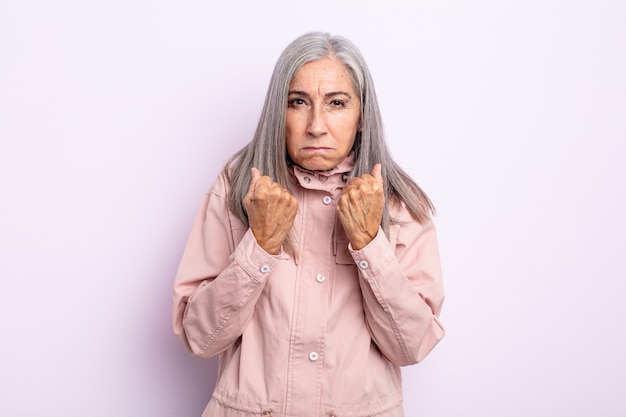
x: 360, y: 207
x: 271, y: 211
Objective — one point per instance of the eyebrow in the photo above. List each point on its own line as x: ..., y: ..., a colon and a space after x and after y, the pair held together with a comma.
x: 331, y: 94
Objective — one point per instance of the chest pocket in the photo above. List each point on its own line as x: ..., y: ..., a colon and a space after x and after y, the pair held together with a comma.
x: 342, y: 253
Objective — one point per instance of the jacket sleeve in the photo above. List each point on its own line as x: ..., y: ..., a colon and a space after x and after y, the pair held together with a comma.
x: 402, y: 291
x: 219, y: 279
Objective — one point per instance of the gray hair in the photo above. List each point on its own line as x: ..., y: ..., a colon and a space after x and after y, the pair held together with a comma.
x: 268, y: 150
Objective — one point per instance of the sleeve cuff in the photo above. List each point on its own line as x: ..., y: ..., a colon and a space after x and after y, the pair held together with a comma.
x: 375, y: 257
x: 253, y: 259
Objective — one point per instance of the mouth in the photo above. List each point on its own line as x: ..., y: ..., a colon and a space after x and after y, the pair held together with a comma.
x: 316, y: 148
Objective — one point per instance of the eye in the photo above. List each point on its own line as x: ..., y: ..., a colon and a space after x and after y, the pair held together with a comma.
x: 296, y: 102
x: 337, y: 103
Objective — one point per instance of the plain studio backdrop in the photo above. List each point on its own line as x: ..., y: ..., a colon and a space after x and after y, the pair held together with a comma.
x: 116, y: 116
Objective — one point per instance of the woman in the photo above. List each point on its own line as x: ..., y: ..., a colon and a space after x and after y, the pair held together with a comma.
x: 312, y: 268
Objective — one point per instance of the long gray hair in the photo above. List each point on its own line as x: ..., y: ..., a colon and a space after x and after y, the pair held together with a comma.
x: 267, y: 150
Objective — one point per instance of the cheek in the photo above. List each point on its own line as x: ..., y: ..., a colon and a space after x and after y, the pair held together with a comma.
x: 293, y: 125
x: 290, y: 146
x: 289, y: 130
x: 348, y: 145
x: 291, y: 143
x: 349, y: 132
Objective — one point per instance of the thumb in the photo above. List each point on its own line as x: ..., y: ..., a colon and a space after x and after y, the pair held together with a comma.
x: 256, y: 174
x: 377, y: 173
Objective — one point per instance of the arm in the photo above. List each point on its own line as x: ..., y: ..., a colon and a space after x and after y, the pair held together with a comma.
x: 402, y: 292
x: 219, y: 278
x: 401, y: 286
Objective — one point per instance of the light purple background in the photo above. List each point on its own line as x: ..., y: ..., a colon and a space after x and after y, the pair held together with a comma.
x: 116, y: 116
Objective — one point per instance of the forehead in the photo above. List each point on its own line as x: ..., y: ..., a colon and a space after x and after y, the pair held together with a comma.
x: 325, y: 72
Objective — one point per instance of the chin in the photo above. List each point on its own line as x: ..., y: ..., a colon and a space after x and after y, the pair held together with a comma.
x: 317, y: 165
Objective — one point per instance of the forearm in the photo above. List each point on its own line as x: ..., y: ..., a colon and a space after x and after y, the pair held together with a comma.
x: 218, y: 310
x: 402, y: 296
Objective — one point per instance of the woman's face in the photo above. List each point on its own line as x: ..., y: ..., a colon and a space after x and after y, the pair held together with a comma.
x: 322, y: 115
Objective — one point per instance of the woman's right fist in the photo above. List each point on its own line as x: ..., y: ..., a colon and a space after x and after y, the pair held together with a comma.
x: 271, y: 211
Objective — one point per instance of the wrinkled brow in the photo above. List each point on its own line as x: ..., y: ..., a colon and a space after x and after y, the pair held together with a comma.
x: 331, y: 94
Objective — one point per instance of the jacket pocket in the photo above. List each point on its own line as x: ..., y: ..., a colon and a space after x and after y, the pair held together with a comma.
x: 342, y: 254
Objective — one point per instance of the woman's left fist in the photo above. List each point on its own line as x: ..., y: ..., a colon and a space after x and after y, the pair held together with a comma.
x: 360, y: 207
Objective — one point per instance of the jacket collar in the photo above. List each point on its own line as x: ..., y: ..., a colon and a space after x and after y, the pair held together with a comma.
x: 344, y: 166
x: 324, y: 180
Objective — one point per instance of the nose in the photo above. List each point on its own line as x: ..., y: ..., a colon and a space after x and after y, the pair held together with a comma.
x: 317, y: 122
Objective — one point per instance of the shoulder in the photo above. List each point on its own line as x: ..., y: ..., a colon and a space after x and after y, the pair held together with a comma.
x: 399, y: 212
x: 404, y: 224
x: 220, y: 186
x: 416, y: 208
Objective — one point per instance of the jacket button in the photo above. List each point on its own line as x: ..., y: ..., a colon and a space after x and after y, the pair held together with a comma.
x: 313, y: 356
x: 327, y: 200
x: 320, y: 278
x: 306, y: 180
x: 265, y: 269
x: 363, y: 265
